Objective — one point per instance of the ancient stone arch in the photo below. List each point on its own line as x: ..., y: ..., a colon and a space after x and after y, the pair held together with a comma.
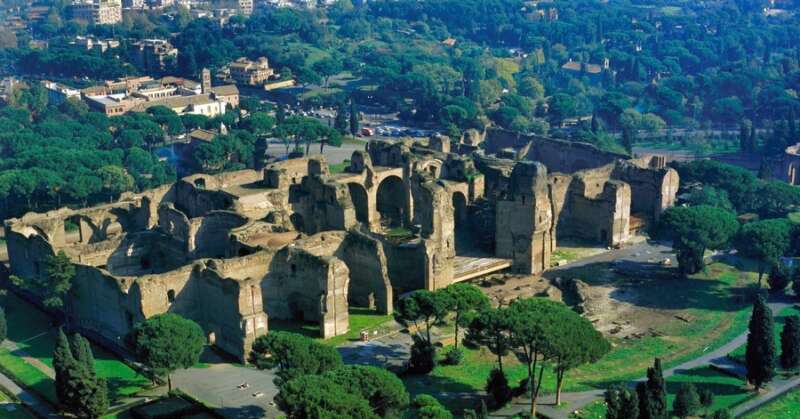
x: 390, y: 200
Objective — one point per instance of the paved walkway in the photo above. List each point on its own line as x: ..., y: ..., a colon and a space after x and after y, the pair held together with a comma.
x: 777, y: 388
x: 33, y: 402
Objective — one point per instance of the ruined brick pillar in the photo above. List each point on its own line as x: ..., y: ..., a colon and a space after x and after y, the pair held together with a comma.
x: 523, y: 220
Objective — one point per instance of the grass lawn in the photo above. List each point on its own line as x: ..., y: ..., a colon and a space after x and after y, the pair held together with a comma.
x: 794, y: 217
x: 339, y: 167
x: 27, y: 375
x: 739, y: 353
x: 784, y: 407
x: 37, y: 338
x: 360, y: 319
x: 593, y: 410
x: 710, y: 298
x: 10, y: 409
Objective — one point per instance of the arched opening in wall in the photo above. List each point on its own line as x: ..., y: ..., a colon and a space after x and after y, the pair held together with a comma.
x: 297, y: 221
x: 200, y: 183
x: 72, y: 230
x: 171, y: 296
x: 462, y: 232
x: 391, y: 201
x: 295, y: 303
x: 360, y: 201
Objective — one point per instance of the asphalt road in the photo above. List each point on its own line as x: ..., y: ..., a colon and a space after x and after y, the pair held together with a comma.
x: 218, y: 386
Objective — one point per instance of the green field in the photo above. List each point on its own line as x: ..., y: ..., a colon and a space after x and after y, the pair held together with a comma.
x: 709, y: 298
x: 784, y: 407
x: 34, y: 334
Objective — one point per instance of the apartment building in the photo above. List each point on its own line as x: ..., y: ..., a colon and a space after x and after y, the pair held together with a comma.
x: 97, y: 12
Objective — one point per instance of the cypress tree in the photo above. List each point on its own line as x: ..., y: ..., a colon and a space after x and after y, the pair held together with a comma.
x: 340, y: 122
x: 687, y: 401
x: 744, y: 137
x: 630, y: 403
x: 627, y: 140
x: 78, y: 388
x: 790, y: 343
x: 82, y: 351
x: 595, y: 125
x: 280, y: 114
x: 613, y: 403
x: 90, y: 393
x: 645, y: 404
x: 779, y: 277
x: 354, y: 124
x: 63, y: 363
x: 622, y: 403
x: 706, y: 399
x: 3, y: 325
x: 760, y: 355
x: 657, y: 391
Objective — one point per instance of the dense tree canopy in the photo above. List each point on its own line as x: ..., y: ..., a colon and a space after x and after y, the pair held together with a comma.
x: 695, y: 229
x: 167, y: 342
x: 293, y: 355
x: 57, y: 156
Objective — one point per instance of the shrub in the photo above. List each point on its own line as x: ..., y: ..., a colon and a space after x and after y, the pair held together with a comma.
x: 779, y: 278
x: 423, y: 357
x: 498, y: 389
x: 454, y: 356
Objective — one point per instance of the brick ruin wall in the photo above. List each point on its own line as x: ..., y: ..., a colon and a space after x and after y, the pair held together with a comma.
x: 295, y: 242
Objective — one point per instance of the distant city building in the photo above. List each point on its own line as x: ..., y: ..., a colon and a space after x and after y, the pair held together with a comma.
x: 90, y: 43
x: 58, y: 93
x: 133, y: 4
x: 37, y: 13
x: 137, y: 94
x: 251, y: 73
x: 154, y: 54
x: 160, y: 4
x: 98, y: 12
x: 586, y: 68
x: 245, y: 7
x: 7, y: 85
